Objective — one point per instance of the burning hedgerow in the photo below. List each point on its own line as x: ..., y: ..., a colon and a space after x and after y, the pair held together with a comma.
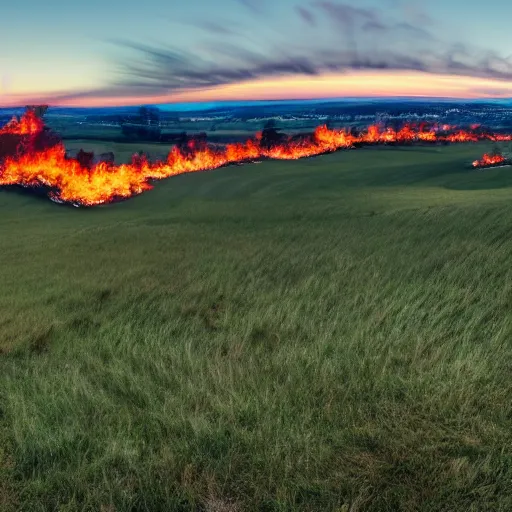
x: 32, y: 156
x: 494, y: 159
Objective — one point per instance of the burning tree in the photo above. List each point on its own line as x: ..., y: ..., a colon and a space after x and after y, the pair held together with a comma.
x: 27, y: 134
x: 270, y: 136
x: 39, y: 110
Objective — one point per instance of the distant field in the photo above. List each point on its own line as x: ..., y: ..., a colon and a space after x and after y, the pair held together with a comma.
x: 221, y: 132
x: 123, y: 151
x: 328, y: 334
x: 70, y: 129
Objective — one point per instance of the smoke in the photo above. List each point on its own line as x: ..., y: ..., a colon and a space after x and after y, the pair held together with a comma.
x: 357, y: 39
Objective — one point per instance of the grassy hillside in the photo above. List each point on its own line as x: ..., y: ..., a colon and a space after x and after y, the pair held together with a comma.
x: 328, y: 334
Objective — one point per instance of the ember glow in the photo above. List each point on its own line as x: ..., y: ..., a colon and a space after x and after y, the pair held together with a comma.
x: 489, y: 160
x: 69, y: 180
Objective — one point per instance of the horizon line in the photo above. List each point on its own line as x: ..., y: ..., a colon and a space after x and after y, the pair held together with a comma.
x: 455, y: 99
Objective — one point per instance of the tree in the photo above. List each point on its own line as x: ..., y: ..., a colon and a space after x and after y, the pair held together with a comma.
x: 85, y: 158
x: 39, y: 110
x: 149, y: 115
x: 270, y: 136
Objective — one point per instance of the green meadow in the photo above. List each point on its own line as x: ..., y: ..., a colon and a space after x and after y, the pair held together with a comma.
x: 327, y: 334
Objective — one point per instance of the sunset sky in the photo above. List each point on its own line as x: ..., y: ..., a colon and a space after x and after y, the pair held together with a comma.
x: 126, y: 52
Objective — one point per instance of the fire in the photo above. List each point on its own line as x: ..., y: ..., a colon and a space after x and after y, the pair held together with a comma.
x: 488, y: 160
x: 70, y: 180
x: 29, y: 124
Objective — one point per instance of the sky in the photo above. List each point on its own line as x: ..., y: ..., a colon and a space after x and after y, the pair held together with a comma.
x: 122, y: 52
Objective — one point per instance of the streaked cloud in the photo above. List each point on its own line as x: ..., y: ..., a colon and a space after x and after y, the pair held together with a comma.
x: 356, y: 38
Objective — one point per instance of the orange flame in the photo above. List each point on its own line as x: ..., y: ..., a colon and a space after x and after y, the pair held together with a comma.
x: 29, y: 124
x: 487, y: 160
x: 69, y: 181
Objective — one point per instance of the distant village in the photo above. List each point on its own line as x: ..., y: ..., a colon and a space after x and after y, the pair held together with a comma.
x: 234, y: 123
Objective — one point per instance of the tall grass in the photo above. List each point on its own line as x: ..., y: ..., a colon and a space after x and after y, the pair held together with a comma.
x: 330, y: 334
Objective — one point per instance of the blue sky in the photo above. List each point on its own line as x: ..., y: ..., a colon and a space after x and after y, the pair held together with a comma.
x: 67, y: 48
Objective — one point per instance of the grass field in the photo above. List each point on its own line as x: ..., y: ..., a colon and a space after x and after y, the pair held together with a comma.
x: 328, y: 334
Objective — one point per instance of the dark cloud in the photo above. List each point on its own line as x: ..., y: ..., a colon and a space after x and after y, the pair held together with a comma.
x: 356, y: 18
x: 345, y: 14
x: 370, y: 41
x: 347, y: 20
x: 375, y: 26
x: 176, y: 70
x: 414, y: 30
x: 218, y: 28
x: 306, y: 15
x: 163, y: 71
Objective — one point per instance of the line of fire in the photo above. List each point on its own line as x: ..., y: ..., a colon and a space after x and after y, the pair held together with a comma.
x: 32, y: 155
